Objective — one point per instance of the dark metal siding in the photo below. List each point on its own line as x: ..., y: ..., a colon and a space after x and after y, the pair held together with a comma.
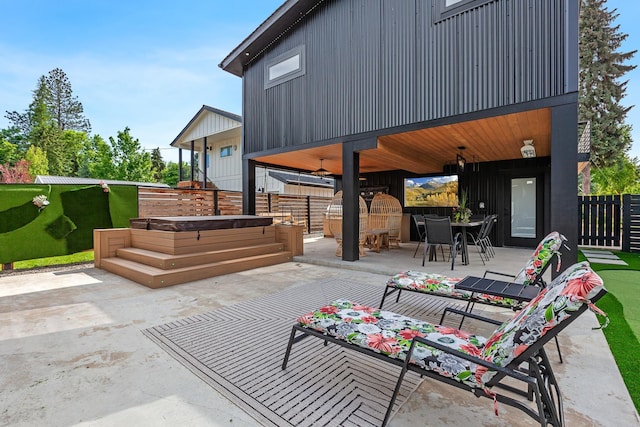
x: 375, y: 64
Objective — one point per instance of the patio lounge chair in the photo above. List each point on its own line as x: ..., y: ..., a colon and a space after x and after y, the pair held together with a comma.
x: 481, y: 365
x: 443, y: 286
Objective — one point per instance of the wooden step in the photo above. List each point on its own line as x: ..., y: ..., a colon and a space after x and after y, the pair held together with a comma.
x: 185, y: 242
x: 154, y: 277
x: 170, y: 262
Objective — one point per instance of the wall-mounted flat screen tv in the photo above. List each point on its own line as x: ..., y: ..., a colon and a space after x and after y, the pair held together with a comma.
x: 431, y: 191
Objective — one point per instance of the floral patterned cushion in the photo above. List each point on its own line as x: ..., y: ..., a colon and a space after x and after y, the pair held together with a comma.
x: 437, y: 284
x: 547, y: 248
x: 564, y: 295
x: 391, y: 334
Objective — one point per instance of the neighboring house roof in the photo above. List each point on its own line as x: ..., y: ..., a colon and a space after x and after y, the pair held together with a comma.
x: 48, y: 179
x: 294, y: 178
x: 206, y: 108
x: 274, y: 27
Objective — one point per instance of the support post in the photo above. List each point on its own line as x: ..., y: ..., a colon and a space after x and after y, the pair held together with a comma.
x: 350, y: 203
x: 180, y: 172
x: 204, y: 163
x: 248, y: 187
x: 564, y: 179
x: 193, y: 158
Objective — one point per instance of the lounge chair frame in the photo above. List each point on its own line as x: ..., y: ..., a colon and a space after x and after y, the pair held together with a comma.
x: 531, y: 369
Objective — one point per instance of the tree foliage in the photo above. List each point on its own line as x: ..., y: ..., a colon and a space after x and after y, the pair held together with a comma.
x: 602, y: 65
x: 620, y: 178
x: 171, y: 174
x: 130, y: 161
x: 158, y: 164
x: 16, y: 174
x: 65, y: 109
x: 37, y: 159
x: 53, y: 122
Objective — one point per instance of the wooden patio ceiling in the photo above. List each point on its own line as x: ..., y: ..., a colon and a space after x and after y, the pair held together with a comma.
x: 428, y: 150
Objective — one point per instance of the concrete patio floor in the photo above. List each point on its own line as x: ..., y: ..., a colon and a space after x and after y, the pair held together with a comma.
x: 71, y: 350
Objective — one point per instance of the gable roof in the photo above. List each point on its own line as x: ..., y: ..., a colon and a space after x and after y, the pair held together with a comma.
x: 274, y: 27
x: 202, y: 110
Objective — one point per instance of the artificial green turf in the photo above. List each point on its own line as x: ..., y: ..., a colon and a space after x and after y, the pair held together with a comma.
x: 622, y: 305
x: 86, y: 256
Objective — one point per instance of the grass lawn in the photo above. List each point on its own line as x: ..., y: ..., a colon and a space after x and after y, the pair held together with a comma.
x: 622, y: 305
x: 86, y: 256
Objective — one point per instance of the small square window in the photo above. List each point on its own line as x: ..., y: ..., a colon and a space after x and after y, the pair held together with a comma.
x: 225, y: 151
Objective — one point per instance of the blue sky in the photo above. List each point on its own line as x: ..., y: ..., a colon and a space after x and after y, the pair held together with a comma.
x: 148, y: 65
x: 151, y: 65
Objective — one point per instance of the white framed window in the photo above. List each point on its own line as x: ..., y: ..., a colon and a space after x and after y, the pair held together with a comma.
x: 447, y: 8
x: 226, y: 151
x: 284, y: 67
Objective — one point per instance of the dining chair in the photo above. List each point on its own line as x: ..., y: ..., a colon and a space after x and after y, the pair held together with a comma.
x: 418, y: 220
x: 478, y: 239
x: 438, y: 232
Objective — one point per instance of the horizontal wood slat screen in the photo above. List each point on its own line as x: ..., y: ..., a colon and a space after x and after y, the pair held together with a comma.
x: 302, y: 210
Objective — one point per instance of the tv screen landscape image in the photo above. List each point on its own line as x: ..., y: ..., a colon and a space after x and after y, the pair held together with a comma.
x: 431, y: 191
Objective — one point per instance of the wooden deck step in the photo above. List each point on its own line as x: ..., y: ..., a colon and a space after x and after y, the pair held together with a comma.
x: 154, y: 277
x: 170, y: 262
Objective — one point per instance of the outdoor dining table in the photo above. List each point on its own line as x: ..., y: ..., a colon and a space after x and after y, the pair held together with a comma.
x: 463, y: 243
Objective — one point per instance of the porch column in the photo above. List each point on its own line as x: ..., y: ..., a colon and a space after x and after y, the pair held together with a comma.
x: 204, y: 162
x: 248, y: 187
x: 180, y: 175
x: 564, y: 178
x: 193, y: 158
x: 350, y: 205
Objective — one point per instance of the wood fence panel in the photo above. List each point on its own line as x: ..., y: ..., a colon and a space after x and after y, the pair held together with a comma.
x: 631, y: 221
x: 600, y: 220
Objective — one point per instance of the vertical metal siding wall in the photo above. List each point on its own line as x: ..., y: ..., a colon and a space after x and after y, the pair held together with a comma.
x: 374, y: 64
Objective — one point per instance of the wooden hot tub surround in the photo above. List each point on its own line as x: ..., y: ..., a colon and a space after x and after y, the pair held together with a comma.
x: 158, y: 258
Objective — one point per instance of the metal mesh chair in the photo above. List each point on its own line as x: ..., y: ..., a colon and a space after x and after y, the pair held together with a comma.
x: 438, y: 232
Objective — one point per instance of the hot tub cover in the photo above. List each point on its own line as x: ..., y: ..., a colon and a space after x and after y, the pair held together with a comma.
x: 199, y: 223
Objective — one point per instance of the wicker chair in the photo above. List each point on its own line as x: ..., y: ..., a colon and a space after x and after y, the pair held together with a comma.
x: 334, y: 215
x: 386, y: 213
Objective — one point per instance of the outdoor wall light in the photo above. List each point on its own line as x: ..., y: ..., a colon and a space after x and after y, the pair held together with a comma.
x: 461, y: 162
x: 528, y: 150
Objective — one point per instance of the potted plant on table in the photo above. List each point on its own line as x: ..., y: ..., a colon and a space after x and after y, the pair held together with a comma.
x: 462, y: 213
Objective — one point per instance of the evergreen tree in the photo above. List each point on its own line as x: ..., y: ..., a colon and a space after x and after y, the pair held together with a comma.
x: 64, y: 108
x: 158, y: 164
x: 602, y: 66
x: 53, y: 122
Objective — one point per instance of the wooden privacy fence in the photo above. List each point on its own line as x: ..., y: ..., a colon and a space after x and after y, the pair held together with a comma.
x: 631, y: 221
x: 600, y: 220
x: 610, y: 221
x: 303, y: 210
